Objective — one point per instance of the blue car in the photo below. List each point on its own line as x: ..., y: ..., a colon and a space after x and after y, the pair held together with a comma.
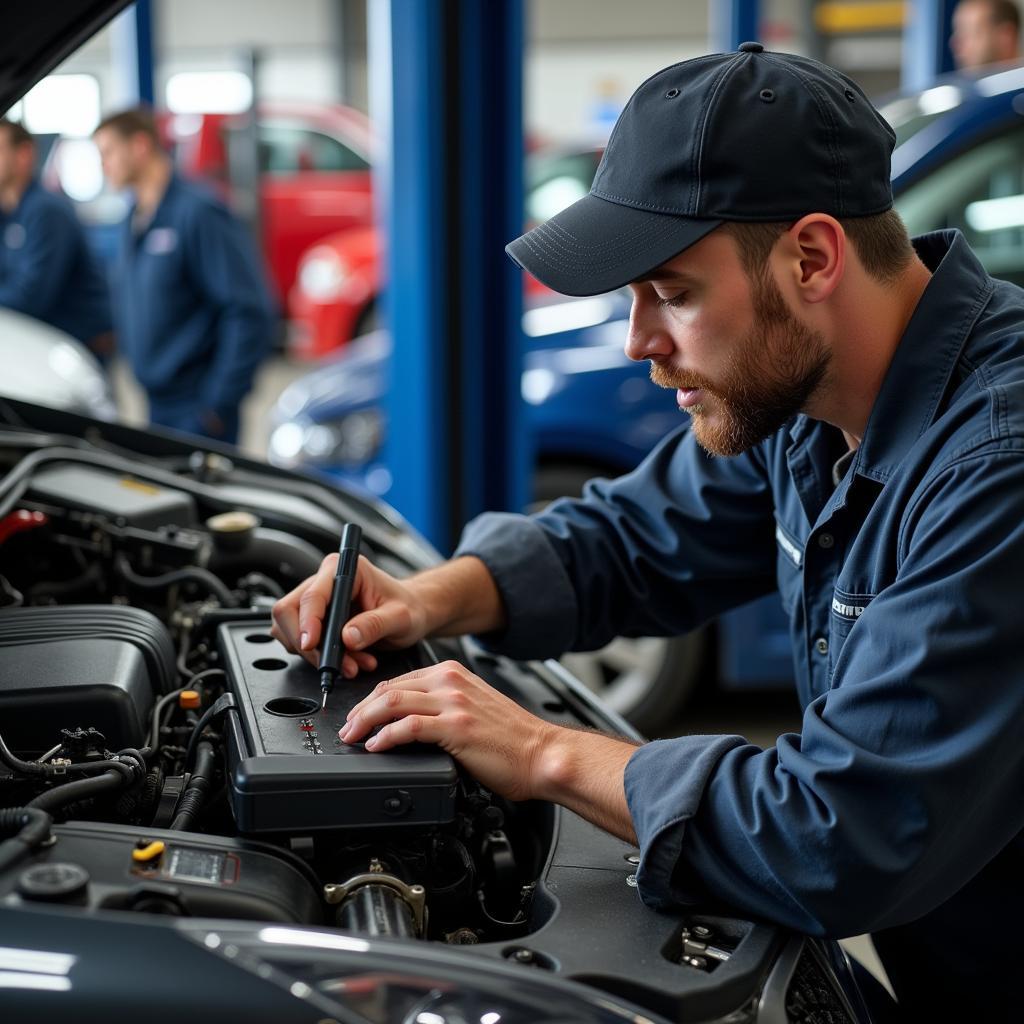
x: 959, y: 162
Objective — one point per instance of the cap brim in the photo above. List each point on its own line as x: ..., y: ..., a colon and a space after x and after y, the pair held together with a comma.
x: 597, y: 246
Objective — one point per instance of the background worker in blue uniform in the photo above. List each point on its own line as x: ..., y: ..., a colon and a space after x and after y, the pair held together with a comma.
x: 856, y: 440
x: 46, y: 268
x: 191, y: 305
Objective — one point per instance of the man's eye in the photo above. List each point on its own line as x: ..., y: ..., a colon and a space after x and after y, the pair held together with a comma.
x: 673, y: 300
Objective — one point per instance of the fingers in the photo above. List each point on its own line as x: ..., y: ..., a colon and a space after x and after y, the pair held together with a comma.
x: 421, y: 679
x: 388, y: 621
x: 411, y: 729
x: 313, y: 601
x: 357, y: 661
x: 296, y: 622
x: 392, y: 704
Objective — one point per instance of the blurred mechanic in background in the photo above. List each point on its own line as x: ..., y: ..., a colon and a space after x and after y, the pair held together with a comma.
x: 46, y: 268
x: 985, y: 32
x: 191, y: 305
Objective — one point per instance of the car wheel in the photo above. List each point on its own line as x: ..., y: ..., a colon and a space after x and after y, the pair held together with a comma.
x: 647, y: 680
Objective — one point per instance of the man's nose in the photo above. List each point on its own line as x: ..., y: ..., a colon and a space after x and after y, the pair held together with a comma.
x: 647, y: 336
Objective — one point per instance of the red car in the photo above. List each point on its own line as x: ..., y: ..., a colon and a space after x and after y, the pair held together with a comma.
x: 339, y: 280
x: 314, y: 162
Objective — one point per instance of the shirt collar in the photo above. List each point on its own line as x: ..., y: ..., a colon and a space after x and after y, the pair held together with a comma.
x: 160, y: 213
x: 925, y: 358
x: 927, y: 354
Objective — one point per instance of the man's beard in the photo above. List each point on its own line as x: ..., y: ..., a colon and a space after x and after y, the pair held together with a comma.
x: 773, y: 373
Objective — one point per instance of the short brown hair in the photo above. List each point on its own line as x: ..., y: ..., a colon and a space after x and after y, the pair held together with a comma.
x: 881, y: 242
x: 137, y: 120
x: 1001, y: 12
x: 17, y: 133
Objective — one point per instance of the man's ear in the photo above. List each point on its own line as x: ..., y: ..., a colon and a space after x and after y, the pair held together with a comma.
x: 814, y: 254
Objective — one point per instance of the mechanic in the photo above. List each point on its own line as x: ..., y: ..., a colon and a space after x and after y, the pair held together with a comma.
x: 191, y: 305
x: 46, y: 268
x: 984, y: 32
x: 856, y: 440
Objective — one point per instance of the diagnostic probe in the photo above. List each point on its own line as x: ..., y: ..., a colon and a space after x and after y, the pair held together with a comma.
x: 338, y: 609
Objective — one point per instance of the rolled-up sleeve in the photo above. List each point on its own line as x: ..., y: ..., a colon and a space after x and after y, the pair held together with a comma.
x: 905, y: 780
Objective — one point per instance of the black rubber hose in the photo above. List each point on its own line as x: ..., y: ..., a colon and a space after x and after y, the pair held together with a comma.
x: 32, y: 826
x: 69, y: 792
x: 194, y: 797
x: 219, y: 706
x: 190, y: 574
x: 16, y: 764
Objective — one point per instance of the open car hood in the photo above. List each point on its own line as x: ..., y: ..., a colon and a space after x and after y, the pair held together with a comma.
x: 37, y: 37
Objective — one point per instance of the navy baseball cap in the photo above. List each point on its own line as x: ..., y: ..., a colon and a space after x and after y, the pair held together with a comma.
x: 745, y: 136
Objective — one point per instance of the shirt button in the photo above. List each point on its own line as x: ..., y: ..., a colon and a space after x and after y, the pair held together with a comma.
x: 826, y: 540
x: 821, y: 645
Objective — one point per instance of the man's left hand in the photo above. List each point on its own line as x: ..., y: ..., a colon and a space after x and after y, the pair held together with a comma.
x: 496, y: 740
x: 511, y: 752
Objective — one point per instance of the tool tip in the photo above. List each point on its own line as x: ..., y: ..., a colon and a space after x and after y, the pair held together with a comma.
x: 323, y: 703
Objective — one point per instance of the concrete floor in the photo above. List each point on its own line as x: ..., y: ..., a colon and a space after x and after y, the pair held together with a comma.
x: 759, y: 717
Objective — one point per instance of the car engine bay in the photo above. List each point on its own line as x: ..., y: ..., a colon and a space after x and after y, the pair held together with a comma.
x: 140, y: 688
x: 163, y: 756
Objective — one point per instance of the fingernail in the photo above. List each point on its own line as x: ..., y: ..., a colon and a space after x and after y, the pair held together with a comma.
x: 344, y: 731
x: 303, y: 640
x: 354, y: 635
x: 370, y: 743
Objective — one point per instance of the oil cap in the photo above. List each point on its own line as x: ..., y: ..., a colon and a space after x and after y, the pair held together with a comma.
x: 148, y: 852
x: 52, y: 883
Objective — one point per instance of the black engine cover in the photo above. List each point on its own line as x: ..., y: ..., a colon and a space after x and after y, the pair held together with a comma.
x: 288, y: 769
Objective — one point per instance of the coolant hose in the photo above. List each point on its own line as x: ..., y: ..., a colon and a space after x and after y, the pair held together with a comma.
x: 69, y: 792
x: 199, y: 785
x: 32, y: 827
x: 194, y: 574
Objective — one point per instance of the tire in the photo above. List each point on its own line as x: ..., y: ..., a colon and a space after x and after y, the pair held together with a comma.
x: 647, y: 680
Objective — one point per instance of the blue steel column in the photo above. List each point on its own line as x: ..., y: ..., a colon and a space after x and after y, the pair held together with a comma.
x: 732, y: 22
x: 495, y: 455
x: 132, y: 53
x: 926, y: 35
x: 445, y: 94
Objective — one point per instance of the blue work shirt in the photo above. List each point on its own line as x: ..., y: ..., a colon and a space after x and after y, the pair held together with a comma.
x: 191, y: 306
x: 46, y: 268
x: 899, y: 806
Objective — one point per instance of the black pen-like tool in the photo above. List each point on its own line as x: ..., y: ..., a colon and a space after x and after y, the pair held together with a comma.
x: 331, y: 651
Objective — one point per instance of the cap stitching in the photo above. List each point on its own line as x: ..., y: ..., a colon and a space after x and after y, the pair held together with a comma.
x: 821, y: 102
x: 553, y: 252
x: 650, y: 78
x: 639, y: 204
x: 638, y: 231
x: 696, y: 159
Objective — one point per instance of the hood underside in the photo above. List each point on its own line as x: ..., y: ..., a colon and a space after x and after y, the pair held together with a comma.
x: 37, y: 37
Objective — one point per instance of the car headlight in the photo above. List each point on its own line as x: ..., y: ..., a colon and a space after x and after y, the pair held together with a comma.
x: 85, y: 386
x: 352, y: 441
x: 322, y: 275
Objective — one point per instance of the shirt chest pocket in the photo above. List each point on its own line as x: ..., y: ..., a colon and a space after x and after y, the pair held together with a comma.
x: 847, y: 608
x: 789, y: 566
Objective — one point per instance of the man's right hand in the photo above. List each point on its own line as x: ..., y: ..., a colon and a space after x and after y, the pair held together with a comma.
x: 453, y: 598
x: 391, y: 614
